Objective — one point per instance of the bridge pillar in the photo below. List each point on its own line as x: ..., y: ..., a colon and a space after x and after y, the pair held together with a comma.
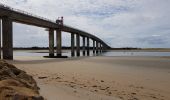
x: 78, y: 44
x: 97, y: 47
x: 93, y: 46
x: 88, y: 46
x: 51, y: 42
x: 84, y: 52
x: 104, y: 48
x: 100, y: 47
x: 7, y: 38
x: 72, y: 45
x: 59, y: 42
x: 0, y: 37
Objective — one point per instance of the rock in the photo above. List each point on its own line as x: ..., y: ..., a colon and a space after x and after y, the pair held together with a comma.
x: 16, y: 84
x: 23, y: 97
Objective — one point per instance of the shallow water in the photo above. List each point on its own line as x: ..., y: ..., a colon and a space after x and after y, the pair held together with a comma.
x: 135, y: 53
x: 109, y: 53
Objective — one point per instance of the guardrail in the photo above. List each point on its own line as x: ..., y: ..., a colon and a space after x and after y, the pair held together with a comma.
x: 23, y: 12
x: 30, y: 14
x: 33, y: 15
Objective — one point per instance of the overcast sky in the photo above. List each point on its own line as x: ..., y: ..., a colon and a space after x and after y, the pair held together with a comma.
x: 120, y: 23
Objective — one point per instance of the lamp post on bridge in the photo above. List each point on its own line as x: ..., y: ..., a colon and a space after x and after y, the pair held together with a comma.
x: 59, y: 21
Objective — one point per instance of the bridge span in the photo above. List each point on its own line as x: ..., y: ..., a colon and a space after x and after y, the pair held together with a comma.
x: 9, y: 15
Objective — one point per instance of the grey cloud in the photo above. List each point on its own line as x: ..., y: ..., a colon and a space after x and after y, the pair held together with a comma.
x: 153, y: 40
x: 120, y: 23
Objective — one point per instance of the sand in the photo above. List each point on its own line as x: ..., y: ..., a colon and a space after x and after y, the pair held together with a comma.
x: 100, y: 78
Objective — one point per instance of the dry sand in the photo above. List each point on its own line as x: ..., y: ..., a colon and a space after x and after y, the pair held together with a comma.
x: 100, y: 78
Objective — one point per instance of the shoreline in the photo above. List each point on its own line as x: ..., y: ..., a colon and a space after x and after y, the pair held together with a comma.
x: 95, y: 78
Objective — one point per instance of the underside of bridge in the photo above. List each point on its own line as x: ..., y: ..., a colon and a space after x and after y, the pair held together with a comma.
x: 9, y: 15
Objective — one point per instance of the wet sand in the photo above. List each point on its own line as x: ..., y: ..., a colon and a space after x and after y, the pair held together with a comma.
x: 100, y: 78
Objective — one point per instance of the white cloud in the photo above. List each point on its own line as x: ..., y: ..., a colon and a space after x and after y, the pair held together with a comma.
x: 120, y: 23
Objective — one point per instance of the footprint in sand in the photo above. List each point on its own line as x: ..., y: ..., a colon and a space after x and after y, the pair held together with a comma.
x: 102, y: 81
x: 42, y: 77
x: 109, y: 93
x: 58, y: 78
x: 94, y: 86
x: 85, y: 86
x: 75, y: 91
x: 104, y: 88
x: 133, y: 93
x: 96, y: 90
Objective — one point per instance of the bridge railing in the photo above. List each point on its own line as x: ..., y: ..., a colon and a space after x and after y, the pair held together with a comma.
x: 33, y: 15
x: 23, y: 12
x: 27, y: 13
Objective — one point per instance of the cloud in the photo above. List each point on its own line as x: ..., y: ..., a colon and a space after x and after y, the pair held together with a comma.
x: 120, y: 23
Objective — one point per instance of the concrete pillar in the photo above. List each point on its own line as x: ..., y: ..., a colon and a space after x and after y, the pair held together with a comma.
x: 7, y: 38
x: 100, y: 47
x: 59, y: 42
x: 51, y: 42
x: 93, y: 46
x: 0, y: 37
x: 84, y: 51
x: 104, y: 48
x: 97, y: 47
x: 72, y: 45
x: 78, y: 44
x: 88, y: 47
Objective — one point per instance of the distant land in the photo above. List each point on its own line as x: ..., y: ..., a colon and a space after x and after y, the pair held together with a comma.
x: 123, y: 48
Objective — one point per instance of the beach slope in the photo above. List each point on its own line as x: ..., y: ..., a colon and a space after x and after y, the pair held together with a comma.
x: 100, y: 78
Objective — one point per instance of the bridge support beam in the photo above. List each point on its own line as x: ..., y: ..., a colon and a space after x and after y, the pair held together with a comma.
x: 51, y: 42
x: 7, y: 38
x: 72, y: 45
x: 78, y: 44
x: 101, y: 45
x: 0, y: 37
x: 88, y: 47
x: 104, y: 48
x: 93, y: 46
x: 100, y: 48
x: 84, y: 51
x: 97, y: 47
x: 59, y: 42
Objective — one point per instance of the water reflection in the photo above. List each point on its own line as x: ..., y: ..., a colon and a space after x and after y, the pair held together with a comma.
x: 110, y: 53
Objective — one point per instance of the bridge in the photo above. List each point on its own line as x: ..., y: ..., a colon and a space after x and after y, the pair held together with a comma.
x: 9, y: 15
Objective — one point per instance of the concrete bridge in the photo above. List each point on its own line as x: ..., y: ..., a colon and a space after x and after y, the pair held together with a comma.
x: 9, y: 15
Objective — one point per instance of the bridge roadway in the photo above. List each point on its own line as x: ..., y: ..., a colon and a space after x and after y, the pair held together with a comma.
x: 9, y: 15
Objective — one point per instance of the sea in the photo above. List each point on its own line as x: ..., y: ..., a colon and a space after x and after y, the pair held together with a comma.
x: 108, y: 53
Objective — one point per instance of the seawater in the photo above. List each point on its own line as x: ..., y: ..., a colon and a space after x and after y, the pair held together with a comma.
x: 109, y: 53
x: 135, y: 53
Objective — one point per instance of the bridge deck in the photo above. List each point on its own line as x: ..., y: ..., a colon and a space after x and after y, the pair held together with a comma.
x: 27, y: 18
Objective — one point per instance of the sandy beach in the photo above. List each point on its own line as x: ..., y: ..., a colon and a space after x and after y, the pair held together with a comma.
x: 100, y: 78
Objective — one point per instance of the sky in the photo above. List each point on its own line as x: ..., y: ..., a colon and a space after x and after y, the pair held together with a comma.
x: 119, y: 23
